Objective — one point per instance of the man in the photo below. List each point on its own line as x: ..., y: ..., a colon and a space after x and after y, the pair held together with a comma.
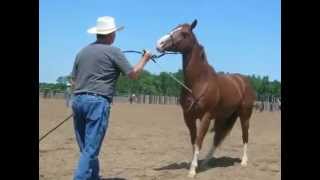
x: 130, y: 98
x: 67, y: 95
x: 94, y: 75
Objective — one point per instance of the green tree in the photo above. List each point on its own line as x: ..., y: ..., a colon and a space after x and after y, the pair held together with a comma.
x: 163, y: 84
x: 63, y: 79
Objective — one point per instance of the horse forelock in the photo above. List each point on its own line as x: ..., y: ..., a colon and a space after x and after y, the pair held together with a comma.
x: 185, y: 27
x: 178, y: 28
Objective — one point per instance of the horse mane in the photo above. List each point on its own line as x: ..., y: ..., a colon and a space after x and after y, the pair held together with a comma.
x: 205, y: 60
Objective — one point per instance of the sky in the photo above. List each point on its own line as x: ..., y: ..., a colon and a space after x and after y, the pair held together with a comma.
x: 239, y: 36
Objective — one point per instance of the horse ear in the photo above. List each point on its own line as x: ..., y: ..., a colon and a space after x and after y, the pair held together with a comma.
x: 193, y: 24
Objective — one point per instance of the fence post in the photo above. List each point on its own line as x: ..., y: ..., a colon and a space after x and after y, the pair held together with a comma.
x: 144, y: 99
x: 141, y: 98
x: 147, y: 99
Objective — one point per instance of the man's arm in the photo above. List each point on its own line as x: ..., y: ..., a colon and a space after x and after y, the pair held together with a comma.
x: 136, y: 70
x: 126, y: 68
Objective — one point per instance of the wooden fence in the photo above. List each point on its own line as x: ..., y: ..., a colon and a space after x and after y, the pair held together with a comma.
x: 169, y: 100
x: 138, y: 99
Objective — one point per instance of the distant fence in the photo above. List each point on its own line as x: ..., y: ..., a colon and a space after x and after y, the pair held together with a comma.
x: 138, y: 99
x: 267, y: 106
x: 274, y: 105
x: 51, y: 94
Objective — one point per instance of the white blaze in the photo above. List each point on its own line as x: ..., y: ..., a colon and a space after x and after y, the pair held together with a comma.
x: 164, y: 38
x: 175, y: 30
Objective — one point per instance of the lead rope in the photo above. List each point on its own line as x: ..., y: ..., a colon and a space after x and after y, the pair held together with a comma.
x: 153, y: 57
x: 55, y: 128
x: 174, y: 78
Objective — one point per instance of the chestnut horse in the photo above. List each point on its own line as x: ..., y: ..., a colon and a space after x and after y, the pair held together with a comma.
x: 223, y: 98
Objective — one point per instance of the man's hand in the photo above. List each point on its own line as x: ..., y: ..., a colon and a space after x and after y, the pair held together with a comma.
x: 139, y: 67
x: 146, y: 55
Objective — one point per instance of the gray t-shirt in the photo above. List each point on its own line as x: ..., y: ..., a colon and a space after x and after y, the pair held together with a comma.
x: 97, y: 68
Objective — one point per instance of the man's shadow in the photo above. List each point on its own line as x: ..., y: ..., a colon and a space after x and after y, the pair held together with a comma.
x: 114, y: 178
x: 213, y: 162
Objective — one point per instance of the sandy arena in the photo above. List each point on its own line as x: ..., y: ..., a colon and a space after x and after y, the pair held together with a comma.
x: 151, y: 142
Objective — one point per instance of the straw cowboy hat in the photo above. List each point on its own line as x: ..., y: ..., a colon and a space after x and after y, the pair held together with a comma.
x: 105, y: 25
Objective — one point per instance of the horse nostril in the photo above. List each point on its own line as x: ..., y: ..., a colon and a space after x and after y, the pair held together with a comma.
x: 159, y: 49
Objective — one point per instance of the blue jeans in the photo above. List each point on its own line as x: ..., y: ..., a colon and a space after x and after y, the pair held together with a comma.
x: 91, y: 114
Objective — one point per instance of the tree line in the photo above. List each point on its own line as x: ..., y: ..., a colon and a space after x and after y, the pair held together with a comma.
x: 164, y: 85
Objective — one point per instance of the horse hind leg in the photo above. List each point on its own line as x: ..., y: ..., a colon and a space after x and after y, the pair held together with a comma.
x: 209, y: 155
x: 221, y: 128
x: 245, y: 115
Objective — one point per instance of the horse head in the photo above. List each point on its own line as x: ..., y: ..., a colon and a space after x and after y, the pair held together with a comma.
x: 180, y: 39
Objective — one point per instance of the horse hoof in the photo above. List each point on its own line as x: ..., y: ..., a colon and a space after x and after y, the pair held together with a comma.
x: 192, y: 174
x: 244, y: 163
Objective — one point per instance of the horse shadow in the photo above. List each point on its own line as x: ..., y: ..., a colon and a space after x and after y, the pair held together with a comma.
x: 212, y: 163
x: 114, y: 178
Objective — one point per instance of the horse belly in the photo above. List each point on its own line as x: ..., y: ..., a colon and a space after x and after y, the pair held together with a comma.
x: 226, y: 106
x: 224, y: 113
x: 230, y: 99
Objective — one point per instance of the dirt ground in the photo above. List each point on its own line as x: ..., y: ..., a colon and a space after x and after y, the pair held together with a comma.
x: 149, y: 142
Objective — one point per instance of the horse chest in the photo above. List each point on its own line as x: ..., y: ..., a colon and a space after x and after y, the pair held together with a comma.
x: 192, y: 106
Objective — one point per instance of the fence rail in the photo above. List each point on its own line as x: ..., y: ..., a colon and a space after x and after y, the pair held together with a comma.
x: 169, y: 100
x: 138, y: 99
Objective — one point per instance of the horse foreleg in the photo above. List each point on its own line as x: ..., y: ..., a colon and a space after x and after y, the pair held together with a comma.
x: 191, y: 124
x: 194, y: 162
x: 204, y: 125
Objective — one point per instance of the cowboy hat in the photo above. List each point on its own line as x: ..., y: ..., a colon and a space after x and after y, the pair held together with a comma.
x: 105, y: 25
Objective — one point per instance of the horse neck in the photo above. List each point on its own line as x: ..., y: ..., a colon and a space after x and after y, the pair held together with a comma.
x: 195, y: 65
